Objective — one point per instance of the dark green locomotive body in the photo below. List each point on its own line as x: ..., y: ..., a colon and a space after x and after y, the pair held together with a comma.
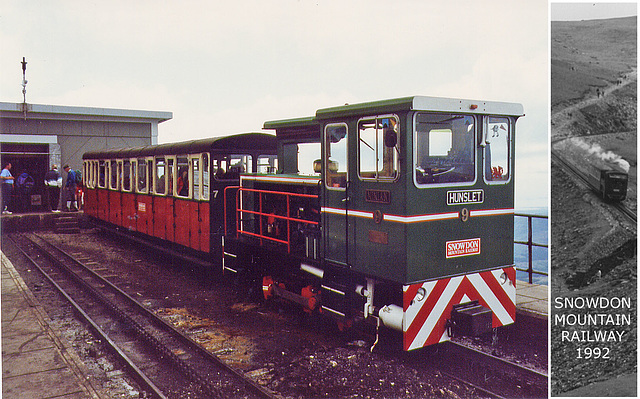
x: 400, y: 196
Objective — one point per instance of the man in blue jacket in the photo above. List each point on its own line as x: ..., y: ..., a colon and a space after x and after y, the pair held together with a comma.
x: 6, y: 182
x: 70, y: 190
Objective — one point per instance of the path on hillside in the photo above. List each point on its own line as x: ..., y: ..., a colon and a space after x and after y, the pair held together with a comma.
x: 561, y: 119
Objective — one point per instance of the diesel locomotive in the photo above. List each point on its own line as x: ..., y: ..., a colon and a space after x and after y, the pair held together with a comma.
x: 397, y: 212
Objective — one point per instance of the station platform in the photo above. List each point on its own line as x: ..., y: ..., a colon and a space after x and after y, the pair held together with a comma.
x: 36, y: 364
x: 33, y: 221
x: 532, y: 300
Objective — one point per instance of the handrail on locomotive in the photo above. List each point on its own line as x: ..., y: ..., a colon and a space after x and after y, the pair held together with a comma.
x: 269, y: 215
x: 530, y: 245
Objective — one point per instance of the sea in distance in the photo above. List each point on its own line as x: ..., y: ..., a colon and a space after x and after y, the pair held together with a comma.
x: 540, y: 255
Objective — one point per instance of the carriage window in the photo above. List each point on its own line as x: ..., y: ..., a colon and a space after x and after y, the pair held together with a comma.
x: 87, y: 173
x: 171, y: 175
x: 195, y: 167
x: 232, y: 166
x: 102, y: 172
x: 149, y: 187
x: 85, y: 168
x: 205, y: 176
x: 142, y: 176
x: 113, y: 182
x: 93, y: 167
x: 160, y: 176
x: 268, y: 164
x: 378, y: 152
x: 183, y: 178
x: 335, y: 166
x: 126, y: 176
x: 496, y: 150
x: 444, y: 149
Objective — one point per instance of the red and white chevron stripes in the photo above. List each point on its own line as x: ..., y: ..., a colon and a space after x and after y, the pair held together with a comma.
x: 427, y: 306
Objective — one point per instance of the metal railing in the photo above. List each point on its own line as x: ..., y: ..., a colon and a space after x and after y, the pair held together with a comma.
x: 530, y: 244
x: 260, y: 215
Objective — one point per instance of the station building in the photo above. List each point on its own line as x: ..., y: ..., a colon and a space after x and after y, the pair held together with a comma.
x: 35, y: 136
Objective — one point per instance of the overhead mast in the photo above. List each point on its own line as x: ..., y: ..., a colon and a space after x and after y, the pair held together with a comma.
x: 24, y: 87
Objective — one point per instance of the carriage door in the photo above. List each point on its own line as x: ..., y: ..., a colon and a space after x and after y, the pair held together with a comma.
x: 335, y: 202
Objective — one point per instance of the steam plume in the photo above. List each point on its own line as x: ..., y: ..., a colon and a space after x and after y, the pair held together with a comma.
x: 600, y: 153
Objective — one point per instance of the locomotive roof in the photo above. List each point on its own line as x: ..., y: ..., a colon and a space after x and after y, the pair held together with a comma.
x: 237, y: 142
x: 307, y: 127
x: 416, y: 103
x: 422, y: 103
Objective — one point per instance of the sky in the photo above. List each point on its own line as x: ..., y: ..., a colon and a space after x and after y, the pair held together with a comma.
x: 225, y: 67
x: 578, y: 11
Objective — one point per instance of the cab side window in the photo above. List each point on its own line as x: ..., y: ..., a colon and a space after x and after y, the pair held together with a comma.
x: 335, y: 166
x: 377, y: 149
x: 497, y: 150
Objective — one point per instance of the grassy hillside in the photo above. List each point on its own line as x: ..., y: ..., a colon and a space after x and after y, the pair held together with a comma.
x: 586, y: 55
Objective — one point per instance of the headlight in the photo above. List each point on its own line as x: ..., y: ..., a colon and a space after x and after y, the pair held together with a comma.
x: 420, y: 294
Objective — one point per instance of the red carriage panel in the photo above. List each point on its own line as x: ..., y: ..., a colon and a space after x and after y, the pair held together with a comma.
x: 144, y: 214
x: 182, y: 222
x: 90, y: 205
x: 129, y: 211
x: 115, y: 207
x: 194, y: 225
x: 204, y: 236
x: 103, y: 205
x: 163, y: 218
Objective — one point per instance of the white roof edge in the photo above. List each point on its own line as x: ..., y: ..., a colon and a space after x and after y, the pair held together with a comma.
x: 87, y: 111
x: 473, y: 106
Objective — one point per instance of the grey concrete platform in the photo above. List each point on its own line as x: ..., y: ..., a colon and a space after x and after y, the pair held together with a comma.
x: 532, y: 300
x: 34, y: 221
x: 35, y: 362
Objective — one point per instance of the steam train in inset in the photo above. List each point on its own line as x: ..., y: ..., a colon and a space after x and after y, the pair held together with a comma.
x: 610, y: 182
x: 397, y: 212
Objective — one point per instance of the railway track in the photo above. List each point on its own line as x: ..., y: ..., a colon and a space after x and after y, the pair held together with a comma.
x: 620, y: 206
x: 494, y: 376
x: 166, y: 363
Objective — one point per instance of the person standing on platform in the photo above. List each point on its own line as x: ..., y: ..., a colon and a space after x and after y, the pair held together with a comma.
x: 6, y: 180
x: 70, y: 190
x: 52, y: 183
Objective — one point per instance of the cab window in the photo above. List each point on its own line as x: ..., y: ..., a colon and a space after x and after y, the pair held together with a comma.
x: 497, y: 144
x: 445, y: 149
x: 378, y: 148
x: 335, y: 166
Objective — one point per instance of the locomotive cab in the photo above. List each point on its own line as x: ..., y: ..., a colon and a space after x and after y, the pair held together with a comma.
x: 410, y: 214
